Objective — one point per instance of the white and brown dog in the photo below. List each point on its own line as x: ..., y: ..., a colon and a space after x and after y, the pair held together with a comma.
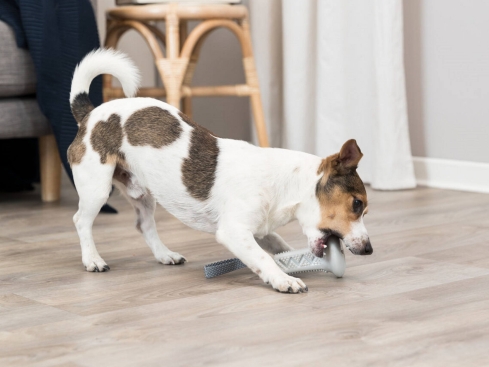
x: 154, y: 153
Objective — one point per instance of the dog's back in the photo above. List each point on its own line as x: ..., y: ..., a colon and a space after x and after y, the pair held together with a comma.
x: 145, y: 145
x: 150, y: 147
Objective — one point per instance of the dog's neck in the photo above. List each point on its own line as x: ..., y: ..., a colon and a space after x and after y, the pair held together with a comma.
x: 295, y: 186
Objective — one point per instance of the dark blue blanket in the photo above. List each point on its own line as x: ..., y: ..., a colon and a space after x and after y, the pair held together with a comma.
x: 58, y: 34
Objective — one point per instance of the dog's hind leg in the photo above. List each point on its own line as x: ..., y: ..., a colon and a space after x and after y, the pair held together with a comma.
x: 144, y: 206
x: 273, y: 243
x: 93, y: 183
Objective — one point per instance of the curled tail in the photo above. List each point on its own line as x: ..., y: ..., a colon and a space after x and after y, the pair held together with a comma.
x: 101, y: 61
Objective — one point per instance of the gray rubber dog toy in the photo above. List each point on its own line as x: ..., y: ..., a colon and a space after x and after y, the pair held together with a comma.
x: 297, y: 261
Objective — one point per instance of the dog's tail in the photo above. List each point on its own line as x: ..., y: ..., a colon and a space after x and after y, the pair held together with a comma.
x: 101, y: 61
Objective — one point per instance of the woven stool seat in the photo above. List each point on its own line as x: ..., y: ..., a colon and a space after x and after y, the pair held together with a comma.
x: 182, y: 11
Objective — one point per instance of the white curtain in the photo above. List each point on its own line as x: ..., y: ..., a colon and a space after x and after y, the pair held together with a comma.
x: 331, y: 70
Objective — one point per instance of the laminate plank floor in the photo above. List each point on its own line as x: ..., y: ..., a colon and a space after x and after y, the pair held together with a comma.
x: 422, y: 298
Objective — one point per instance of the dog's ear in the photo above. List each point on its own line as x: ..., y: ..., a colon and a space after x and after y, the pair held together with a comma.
x: 350, y: 154
x: 341, y: 163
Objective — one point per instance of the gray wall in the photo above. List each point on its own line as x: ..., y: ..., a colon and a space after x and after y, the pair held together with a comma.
x: 447, y: 78
x: 220, y: 63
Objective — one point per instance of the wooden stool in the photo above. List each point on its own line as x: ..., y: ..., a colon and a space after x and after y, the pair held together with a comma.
x: 182, y: 51
x: 50, y: 167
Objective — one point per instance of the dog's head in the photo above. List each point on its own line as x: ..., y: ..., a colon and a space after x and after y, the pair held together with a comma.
x: 339, y: 203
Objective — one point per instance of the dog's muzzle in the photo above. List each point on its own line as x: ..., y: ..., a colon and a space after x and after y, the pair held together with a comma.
x: 366, y: 249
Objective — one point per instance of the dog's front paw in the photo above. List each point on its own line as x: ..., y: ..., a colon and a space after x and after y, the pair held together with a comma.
x: 286, y: 284
x: 171, y: 258
x: 96, y: 264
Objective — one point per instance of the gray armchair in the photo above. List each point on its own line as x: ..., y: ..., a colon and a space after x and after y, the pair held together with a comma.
x: 20, y: 116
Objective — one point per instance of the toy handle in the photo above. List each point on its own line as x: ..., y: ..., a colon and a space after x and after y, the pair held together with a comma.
x: 335, y: 256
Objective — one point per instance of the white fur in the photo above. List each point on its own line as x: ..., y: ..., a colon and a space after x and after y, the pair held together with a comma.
x: 105, y: 61
x: 357, y: 237
x: 256, y: 190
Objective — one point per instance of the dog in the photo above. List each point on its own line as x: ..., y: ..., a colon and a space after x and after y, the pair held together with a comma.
x: 153, y: 153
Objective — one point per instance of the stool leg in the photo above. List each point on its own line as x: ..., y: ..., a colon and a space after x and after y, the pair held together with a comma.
x: 173, y: 77
x: 252, y: 81
x: 50, y: 165
x: 187, y: 79
x: 187, y: 101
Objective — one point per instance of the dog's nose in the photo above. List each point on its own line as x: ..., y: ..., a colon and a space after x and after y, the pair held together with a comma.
x: 368, y: 248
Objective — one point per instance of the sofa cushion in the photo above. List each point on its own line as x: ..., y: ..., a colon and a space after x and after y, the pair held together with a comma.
x: 22, y: 118
x: 17, y: 76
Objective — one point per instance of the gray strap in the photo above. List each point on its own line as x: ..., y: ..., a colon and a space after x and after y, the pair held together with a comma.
x: 222, y: 267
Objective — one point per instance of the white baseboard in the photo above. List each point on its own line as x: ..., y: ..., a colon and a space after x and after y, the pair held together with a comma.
x: 452, y: 174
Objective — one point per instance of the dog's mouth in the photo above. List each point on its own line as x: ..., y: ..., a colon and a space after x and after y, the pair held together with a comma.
x: 353, y: 251
x: 321, y: 243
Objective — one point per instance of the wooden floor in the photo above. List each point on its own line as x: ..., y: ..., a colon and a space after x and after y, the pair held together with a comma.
x: 422, y: 298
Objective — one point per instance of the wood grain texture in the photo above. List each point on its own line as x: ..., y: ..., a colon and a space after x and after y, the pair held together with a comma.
x: 422, y: 298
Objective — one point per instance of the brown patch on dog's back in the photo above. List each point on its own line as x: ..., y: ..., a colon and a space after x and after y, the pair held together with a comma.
x: 199, y: 169
x: 192, y: 123
x: 77, y: 149
x: 80, y: 108
x: 152, y: 126
x: 106, y: 139
x: 188, y: 120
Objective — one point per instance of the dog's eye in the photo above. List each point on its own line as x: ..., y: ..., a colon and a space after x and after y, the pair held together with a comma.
x: 357, y: 206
